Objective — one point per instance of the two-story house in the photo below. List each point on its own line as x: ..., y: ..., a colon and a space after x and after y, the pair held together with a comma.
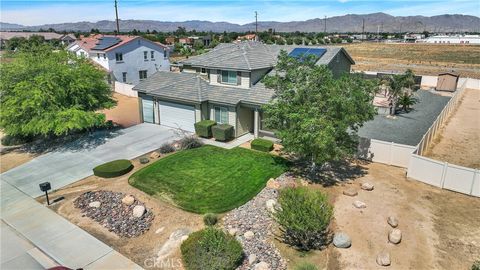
x: 129, y: 59
x: 224, y: 85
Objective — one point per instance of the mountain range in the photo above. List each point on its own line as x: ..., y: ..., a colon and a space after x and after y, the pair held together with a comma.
x: 347, y: 23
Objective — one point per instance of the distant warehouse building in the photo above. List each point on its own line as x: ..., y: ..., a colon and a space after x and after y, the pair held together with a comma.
x: 457, y: 39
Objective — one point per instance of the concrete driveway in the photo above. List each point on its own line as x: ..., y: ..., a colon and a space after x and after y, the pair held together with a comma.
x: 75, y: 161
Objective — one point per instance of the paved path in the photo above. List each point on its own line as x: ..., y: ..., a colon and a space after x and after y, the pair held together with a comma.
x: 75, y: 160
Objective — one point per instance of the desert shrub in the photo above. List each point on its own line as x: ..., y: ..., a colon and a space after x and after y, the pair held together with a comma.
x: 476, y: 265
x: 304, y: 216
x: 222, y: 132
x: 210, y: 219
x: 211, y: 248
x: 306, y: 266
x: 113, y: 168
x: 190, y: 142
x: 262, y: 145
x: 204, y: 128
x: 166, y: 148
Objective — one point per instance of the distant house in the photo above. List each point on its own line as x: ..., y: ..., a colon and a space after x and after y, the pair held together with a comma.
x: 130, y: 59
x: 247, y: 37
x: 224, y: 85
x: 65, y: 39
x: 186, y: 41
x: 170, y: 40
x: 455, y: 39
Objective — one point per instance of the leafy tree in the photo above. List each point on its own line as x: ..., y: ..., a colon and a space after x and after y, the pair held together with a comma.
x: 298, y: 41
x: 47, y: 92
x: 397, y: 85
x: 314, y: 114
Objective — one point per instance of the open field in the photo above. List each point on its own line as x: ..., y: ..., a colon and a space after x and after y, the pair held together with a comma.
x: 458, y: 140
x: 424, y: 59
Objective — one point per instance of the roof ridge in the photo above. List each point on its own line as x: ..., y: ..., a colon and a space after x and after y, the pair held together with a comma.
x: 246, y: 59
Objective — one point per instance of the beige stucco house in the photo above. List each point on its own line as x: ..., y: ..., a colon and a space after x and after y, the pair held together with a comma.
x: 223, y: 85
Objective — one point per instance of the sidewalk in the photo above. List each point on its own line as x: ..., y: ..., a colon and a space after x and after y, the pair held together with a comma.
x: 230, y: 144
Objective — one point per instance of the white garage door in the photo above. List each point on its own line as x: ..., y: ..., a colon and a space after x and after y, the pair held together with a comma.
x: 177, y: 115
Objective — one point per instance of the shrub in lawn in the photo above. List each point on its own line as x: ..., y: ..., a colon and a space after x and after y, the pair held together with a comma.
x: 211, y: 248
x: 303, y: 216
x: 210, y: 219
x: 113, y: 168
x: 144, y: 160
x: 476, y: 265
x: 306, y: 266
x: 190, y: 142
x: 166, y: 148
x: 262, y: 145
x: 204, y: 128
x: 222, y: 132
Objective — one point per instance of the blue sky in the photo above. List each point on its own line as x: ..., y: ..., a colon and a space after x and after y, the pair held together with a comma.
x: 58, y: 11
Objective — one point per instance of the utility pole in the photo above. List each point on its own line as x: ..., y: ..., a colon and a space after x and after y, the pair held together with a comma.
x: 256, y: 23
x: 363, y: 29
x: 116, y: 17
x: 325, y: 26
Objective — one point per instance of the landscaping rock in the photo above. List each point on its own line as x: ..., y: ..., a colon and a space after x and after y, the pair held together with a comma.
x: 359, y: 204
x: 113, y: 214
x: 174, y: 241
x: 159, y: 230
x: 138, y: 211
x: 144, y: 160
x: 252, y: 258
x: 233, y: 231
x: 342, y: 240
x: 261, y: 266
x: 155, y: 155
x: 94, y: 204
x: 271, y: 205
x: 248, y: 235
x: 392, y: 221
x: 383, y: 258
x: 395, y: 236
x: 367, y: 186
x: 273, y: 184
x: 350, y: 192
x: 128, y: 200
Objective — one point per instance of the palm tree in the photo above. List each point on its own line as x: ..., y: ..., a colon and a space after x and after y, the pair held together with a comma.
x: 406, y: 101
x: 398, y: 86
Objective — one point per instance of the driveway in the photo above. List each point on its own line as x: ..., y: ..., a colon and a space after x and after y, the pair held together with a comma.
x: 75, y: 161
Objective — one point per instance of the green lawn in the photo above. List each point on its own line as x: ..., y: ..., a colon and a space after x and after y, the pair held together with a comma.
x: 209, y: 178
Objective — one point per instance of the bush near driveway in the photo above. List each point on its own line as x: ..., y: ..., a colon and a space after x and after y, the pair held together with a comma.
x: 304, y: 216
x: 190, y: 142
x: 209, y: 179
x: 211, y: 248
x: 222, y: 132
x: 204, y: 128
x: 166, y: 148
x: 262, y: 145
x: 113, y: 168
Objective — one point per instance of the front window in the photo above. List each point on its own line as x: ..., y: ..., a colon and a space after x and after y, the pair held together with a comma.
x: 152, y: 55
x: 124, y: 77
x: 98, y: 56
x: 104, y: 56
x: 221, y: 115
x: 164, y: 53
x: 119, y: 57
x: 229, y: 77
x: 142, y: 74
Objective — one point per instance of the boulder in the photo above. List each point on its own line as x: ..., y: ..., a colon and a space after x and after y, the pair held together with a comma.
x: 95, y: 204
x: 392, y: 221
x: 252, y: 258
x: 159, y: 230
x: 342, y: 240
x: 367, y: 186
x: 383, y: 258
x: 350, y: 192
x: 233, y: 231
x: 155, y: 155
x: 248, y: 235
x: 128, y: 200
x: 138, y: 211
x: 359, y: 204
x: 395, y: 236
x: 261, y: 266
x: 273, y: 184
x: 271, y: 205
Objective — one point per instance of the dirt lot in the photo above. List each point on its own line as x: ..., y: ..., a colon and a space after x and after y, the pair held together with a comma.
x: 126, y: 113
x: 441, y: 229
x: 425, y: 59
x: 458, y: 140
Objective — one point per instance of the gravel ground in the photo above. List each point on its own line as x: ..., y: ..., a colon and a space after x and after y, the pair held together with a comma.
x: 410, y: 127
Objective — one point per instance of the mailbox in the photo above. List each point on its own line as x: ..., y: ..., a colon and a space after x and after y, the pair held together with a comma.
x: 45, y: 186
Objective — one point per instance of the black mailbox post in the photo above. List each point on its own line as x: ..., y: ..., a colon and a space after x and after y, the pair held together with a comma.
x: 45, y: 187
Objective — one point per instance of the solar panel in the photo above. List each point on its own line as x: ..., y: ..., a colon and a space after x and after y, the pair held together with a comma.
x: 302, y: 53
x: 106, y: 42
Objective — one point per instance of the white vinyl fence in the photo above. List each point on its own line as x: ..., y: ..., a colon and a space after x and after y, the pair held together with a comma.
x: 436, y: 173
x: 125, y: 89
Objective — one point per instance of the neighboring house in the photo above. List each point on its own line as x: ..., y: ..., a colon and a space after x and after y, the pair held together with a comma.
x: 170, y: 40
x: 224, y: 85
x: 129, y: 59
x: 456, y: 39
x: 65, y: 39
x: 247, y: 37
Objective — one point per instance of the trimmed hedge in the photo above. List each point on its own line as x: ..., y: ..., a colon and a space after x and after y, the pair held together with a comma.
x: 204, y: 128
x: 211, y: 248
x: 113, y: 168
x: 222, y: 132
x: 262, y: 145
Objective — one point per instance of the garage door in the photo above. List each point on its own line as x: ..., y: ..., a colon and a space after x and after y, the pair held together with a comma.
x: 177, y: 115
x: 147, y: 110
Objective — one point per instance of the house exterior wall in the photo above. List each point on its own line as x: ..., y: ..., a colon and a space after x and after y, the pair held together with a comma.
x: 340, y: 65
x: 244, y: 79
x: 98, y: 57
x: 232, y: 114
x: 133, y: 60
x: 244, y: 120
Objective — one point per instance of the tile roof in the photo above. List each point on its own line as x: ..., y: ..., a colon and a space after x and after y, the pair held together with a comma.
x: 87, y: 43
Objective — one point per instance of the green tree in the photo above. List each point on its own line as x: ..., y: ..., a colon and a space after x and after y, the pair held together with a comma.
x: 47, y: 92
x: 407, y: 100
x: 315, y: 115
x: 396, y: 86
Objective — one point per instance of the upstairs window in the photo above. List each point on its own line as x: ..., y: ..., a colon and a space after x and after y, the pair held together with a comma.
x: 229, y: 77
x: 142, y: 74
x: 152, y: 55
x: 98, y: 56
x: 221, y: 115
x: 119, y: 57
x: 145, y: 55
